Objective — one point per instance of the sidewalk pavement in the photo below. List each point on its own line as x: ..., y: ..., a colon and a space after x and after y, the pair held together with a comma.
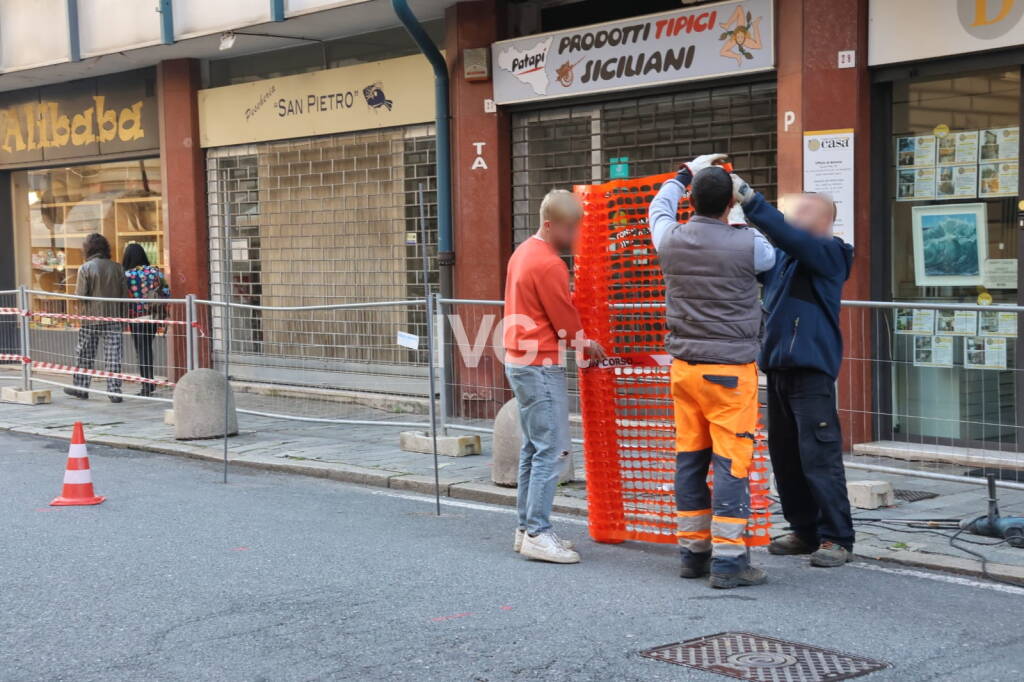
x: 370, y: 455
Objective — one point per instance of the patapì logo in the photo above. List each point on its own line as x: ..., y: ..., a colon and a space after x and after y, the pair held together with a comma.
x: 988, y: 19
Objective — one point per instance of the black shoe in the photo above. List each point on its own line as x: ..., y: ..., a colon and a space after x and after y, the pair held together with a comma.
x: 748, y: 576
x: 116, y: 398
x: 695, y: 568
x: 146, y: 392
x: 81, y: 395
x: 791, y: 544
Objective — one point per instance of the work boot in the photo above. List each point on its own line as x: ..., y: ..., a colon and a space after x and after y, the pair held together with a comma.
x: 695, y: 566
x: 81, y: 395
x: 748, y: 576
x: 830, y: 555
x: 790, y: 544
x: 520, y: 533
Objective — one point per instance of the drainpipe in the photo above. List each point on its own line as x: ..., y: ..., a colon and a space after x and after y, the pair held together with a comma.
x: 445, y: 249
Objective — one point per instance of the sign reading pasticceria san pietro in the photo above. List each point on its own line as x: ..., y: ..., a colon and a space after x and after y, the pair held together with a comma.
x: 361, y: 97
x: 79, y: 120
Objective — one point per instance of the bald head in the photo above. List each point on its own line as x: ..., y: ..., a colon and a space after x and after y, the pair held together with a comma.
x: 813, y: 212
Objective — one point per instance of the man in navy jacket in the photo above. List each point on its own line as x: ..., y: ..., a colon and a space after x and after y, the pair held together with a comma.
x: 801, y: 354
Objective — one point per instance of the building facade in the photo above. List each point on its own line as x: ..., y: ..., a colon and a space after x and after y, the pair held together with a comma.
x: 273, y: 151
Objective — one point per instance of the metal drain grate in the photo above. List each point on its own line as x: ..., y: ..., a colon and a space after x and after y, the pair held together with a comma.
x: 913, y: 495
x: 746, y: 656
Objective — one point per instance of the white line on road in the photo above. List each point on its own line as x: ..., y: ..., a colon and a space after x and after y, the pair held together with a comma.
x: 942, y: 578
x: 909, y: 572
x: 448, y: 502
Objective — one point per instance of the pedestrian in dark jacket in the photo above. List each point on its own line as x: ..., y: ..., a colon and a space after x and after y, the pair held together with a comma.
x: 801, y: 355
x: 99, y: 277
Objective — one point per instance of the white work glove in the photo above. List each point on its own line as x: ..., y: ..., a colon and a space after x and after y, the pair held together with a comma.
x: 737, y: 218
x: 741, y: 191
x: 691, y: 168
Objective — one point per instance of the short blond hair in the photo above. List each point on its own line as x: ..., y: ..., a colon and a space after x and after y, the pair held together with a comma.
x: 560, y: 204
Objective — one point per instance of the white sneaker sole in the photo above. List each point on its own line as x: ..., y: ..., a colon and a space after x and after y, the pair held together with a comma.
x: 550, y: 558
x: 517, y: 544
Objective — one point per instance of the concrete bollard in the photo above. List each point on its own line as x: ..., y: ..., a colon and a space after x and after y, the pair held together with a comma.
x: 508, y: 440
x: 199, y: 406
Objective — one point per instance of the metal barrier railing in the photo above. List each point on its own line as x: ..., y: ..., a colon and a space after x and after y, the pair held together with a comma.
x: 927, y: 389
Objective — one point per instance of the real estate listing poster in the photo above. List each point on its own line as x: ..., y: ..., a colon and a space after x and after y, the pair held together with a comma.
x: 998, y: 179
x: 915, y: 321
x: 917, y: 151
x: 956, y: 182
x: 915, y: 184
x: 958, y: 148
x: 984, y: 352
x: 959, y: 322
x: 997, y: 323
x: 1000, y: 144
x: 933, y: 351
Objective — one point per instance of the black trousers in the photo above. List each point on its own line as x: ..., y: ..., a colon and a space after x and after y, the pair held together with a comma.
x: 142, y: 339
x: 806, y: 447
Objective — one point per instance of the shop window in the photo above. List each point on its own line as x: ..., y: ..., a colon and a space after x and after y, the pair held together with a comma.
x: 575, y: 145
x: 56, y: 208
x: 952, y: 187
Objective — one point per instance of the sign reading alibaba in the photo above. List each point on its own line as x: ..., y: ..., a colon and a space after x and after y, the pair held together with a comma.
x: 361, y: 97
x: 80, y: 120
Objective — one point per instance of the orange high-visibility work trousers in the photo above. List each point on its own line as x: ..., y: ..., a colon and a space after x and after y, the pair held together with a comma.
x: 716, y: 415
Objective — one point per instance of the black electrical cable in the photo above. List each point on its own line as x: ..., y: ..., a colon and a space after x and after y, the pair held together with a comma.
x: 953, y: 539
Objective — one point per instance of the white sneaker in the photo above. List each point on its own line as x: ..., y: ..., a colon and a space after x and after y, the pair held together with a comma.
x: 547, y: 547
x: 520, y: 534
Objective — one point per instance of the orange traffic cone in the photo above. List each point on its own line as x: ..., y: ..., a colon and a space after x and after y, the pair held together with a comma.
x: 77, y: 478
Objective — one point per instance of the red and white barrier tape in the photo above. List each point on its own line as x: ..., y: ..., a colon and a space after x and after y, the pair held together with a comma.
x: 12, y: 356
x: 94, y: 318
x: 634, y: 360
x: 66, y: 369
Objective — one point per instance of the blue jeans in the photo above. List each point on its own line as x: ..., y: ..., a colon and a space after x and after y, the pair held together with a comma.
x: 543, y: 397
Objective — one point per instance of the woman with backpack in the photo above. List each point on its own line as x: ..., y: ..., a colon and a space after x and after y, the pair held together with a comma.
x: 146, y: 282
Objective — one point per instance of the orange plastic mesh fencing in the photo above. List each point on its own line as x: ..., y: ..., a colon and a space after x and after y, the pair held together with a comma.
x: 628, y: 426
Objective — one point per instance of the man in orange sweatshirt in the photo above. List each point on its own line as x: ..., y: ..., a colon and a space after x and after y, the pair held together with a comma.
x: 540, y: 321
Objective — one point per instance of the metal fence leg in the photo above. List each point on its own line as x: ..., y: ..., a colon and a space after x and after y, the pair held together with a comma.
x: 442, y: 354
x: 23, y: 327
x: 190, y: 332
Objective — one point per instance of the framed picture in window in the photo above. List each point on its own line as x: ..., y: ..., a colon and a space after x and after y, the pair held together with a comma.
x: 950, y: 244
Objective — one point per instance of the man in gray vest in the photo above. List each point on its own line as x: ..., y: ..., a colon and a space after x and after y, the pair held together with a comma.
x: 714, y: 319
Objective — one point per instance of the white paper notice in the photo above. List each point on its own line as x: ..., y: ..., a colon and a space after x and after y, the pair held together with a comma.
x: 933, y: 351
x: 997, y: 323
x: 985, y: 352
x: 914, y: 321
x: 1000, y: 273
x: 408, y: 340
x: 828, y: 169
x: 959, y: 322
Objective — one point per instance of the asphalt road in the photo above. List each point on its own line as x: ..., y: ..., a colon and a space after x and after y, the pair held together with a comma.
x: 274, y: 577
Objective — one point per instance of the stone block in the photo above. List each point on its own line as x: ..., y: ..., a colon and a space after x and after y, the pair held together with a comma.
x: 199, y: 406
x: 449, y: 446
x: 16, y: 395
x: 870, y: 494
x: 507, y: 442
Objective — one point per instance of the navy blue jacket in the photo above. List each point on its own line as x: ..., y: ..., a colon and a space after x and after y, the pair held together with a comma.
x: 802, y: 294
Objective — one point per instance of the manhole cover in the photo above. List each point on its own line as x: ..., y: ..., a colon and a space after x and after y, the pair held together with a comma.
x: 746, y: 656
x: 913, y: 495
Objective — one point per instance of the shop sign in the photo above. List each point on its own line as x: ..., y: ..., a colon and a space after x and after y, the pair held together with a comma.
x: 79, y: 120
x: 393, y: 92
x: 708, y: 41
x: 941, y: 28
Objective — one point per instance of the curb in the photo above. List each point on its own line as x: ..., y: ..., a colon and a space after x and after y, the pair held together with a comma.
x: 479, y: 491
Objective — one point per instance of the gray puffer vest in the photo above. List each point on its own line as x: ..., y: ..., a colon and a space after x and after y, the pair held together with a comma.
x: 711, y: 291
